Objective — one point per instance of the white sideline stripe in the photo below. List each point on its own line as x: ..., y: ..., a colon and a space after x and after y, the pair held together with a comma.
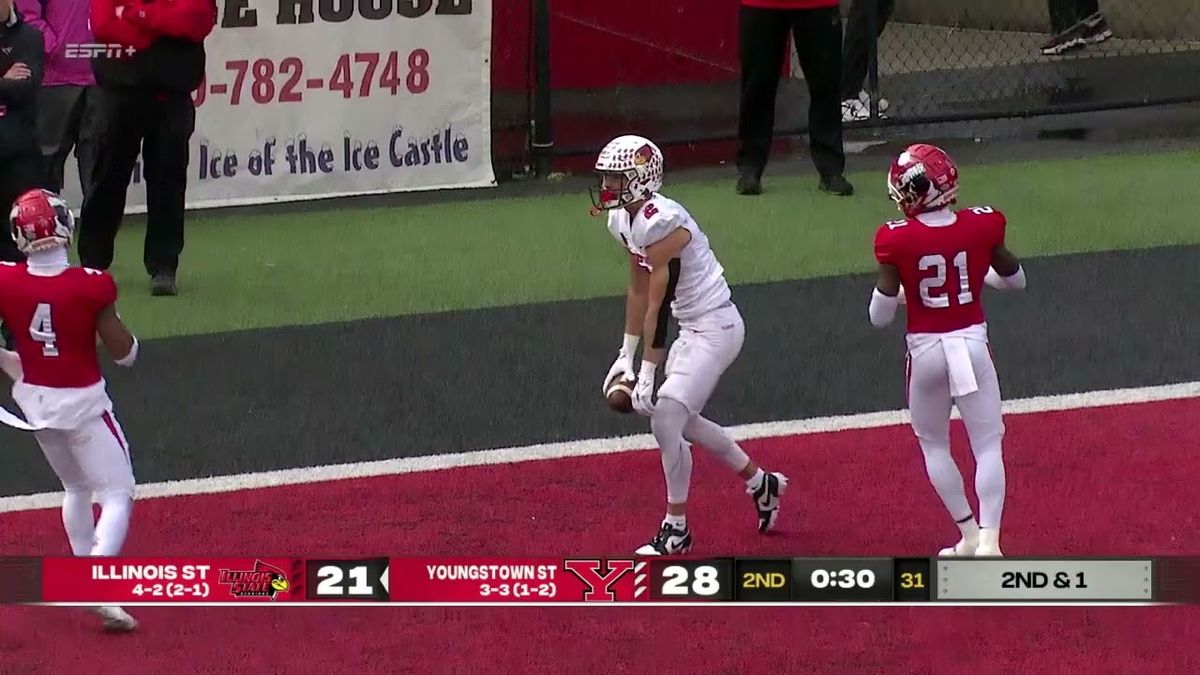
x: 597, y: 446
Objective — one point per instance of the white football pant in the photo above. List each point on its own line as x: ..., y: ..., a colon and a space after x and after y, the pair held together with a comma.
x: 93, y: 462
x: 930, y: 401
x: 698, y: 358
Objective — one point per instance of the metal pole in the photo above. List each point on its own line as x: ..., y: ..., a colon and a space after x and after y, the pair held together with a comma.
x: 542, y: 138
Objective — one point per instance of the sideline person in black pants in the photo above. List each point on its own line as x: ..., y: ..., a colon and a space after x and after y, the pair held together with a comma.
x: 143, y: 103
x: 1076, y: 23
x: 856, y: 102
x: 763, y: 27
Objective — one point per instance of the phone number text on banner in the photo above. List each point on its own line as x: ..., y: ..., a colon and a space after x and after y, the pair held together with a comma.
x: 305, y: 99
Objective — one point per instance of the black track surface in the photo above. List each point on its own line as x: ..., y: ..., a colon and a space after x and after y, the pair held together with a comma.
x: 365, y: 390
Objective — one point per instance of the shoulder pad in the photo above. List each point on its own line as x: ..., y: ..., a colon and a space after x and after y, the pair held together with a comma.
x: 655, y: 221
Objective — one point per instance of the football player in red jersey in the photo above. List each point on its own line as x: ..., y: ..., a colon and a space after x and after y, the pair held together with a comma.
x: 937, y: 260
x: 56, y: 311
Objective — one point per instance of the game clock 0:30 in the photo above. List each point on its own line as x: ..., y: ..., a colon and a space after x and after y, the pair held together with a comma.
x: 842, y: 579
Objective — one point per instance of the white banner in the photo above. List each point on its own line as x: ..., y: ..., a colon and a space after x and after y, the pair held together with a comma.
x: 305, y: 99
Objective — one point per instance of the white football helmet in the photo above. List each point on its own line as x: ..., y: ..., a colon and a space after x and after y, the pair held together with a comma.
x: 638, y: 161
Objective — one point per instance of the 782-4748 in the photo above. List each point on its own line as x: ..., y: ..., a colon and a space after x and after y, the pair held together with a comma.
x: 267, y: 81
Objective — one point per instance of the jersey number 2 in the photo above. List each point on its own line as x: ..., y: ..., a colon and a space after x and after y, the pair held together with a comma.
x: 41, y: 329
x: 930, y: 285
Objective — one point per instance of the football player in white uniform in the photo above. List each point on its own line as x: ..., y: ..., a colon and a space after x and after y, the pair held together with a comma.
x: 672, y: 270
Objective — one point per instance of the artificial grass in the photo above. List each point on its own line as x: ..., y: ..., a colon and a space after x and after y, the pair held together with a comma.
x: 332, y: 265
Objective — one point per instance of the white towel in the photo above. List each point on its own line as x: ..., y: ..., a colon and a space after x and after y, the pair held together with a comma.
x: 16, y: 422
x: 959, y: 367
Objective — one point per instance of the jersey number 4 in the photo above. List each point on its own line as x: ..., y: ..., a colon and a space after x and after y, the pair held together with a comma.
x: 930, y: 286
x: 41, y: 329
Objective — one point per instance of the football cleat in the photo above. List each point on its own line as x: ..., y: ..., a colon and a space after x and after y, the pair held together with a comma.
x: 963, y: 549
x: 766, y: 499
x: 989, y: 544
x: 669, y: 540
x: 114, y: 619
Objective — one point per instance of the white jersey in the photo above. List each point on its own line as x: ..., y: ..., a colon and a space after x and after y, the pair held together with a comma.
x: 701, y: 287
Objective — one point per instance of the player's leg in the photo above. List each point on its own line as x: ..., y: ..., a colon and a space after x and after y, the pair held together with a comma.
x: 692, y: 378
x: 981, y: 414
x: 929, y: 405
x: 77, y: 499
x: 101, y: 450
x: 673, y: 535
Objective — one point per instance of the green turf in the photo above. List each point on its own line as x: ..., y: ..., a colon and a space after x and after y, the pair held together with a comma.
x: 322, y: 266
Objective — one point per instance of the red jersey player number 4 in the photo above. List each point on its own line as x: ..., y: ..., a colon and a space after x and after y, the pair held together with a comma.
x: 937, y: 261
x: 55, y: 313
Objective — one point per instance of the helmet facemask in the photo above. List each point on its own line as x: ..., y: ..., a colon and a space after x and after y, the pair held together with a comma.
x: 614, y: 190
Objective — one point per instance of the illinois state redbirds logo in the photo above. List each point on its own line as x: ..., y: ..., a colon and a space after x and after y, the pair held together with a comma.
x: 263, y: 581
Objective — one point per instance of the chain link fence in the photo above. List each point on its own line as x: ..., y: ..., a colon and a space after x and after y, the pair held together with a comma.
x: 669, y: 69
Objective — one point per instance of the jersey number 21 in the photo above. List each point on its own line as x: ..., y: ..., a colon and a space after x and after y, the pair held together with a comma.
x: 932, y: 294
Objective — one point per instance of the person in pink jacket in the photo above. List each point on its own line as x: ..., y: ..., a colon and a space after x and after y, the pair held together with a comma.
x: 63, y: 124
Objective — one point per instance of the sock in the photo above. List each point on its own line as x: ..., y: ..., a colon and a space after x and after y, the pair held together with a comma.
x: 754, y: 482
x: 717, y: 440
x: 78, y: 521
x: 668, y: 421
x: 989, y: 538
x: 113, y: 524
x: 969, y: 528
x: 679, y: 522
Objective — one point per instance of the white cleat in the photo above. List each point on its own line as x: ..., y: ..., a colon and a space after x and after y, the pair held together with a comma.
x: 963, y: 549
x: 989, y: 543
x: 114, y: 619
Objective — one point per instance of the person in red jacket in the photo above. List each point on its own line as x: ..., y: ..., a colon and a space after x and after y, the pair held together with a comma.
x: 816, y: 26
x: 144, y: 102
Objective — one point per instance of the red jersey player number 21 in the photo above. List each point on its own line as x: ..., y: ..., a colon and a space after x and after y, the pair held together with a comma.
x: 55, y: 312
x: 937, y: 261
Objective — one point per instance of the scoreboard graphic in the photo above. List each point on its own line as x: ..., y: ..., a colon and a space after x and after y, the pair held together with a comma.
x: 582, y: 581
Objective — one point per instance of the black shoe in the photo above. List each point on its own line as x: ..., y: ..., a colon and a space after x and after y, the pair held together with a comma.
x: 668, y: 541
x: 766, y: 499
x: 163, y: 284
x: 1071, y: 38
x: 838, y: 185
x: 749, y: 183
x: 1096, y: 29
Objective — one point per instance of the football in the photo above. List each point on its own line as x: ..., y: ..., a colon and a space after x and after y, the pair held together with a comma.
x: 620, y: 394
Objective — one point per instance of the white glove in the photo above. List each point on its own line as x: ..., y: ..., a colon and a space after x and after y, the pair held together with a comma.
x: 643, y: 390
x: 10, y: 363
x: 623, y: 366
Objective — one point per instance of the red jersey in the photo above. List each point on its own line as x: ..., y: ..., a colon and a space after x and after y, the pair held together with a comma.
x: 53, y: 321
x: 942, y: 266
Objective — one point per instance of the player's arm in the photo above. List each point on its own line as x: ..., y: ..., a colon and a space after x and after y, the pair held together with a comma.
x: 888, y: 292
x: 635, y: 301
x: 885, y: 299
x: 1006, y: 273
x: 635, y: 312
x: 118, y: 341
x: 663, y: 256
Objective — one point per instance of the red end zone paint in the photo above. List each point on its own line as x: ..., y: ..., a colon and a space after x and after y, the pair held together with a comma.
x: 1100, y: 481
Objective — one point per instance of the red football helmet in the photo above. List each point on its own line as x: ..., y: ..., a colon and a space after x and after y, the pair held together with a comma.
x: 923, y: 178
x: 41, y: 221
